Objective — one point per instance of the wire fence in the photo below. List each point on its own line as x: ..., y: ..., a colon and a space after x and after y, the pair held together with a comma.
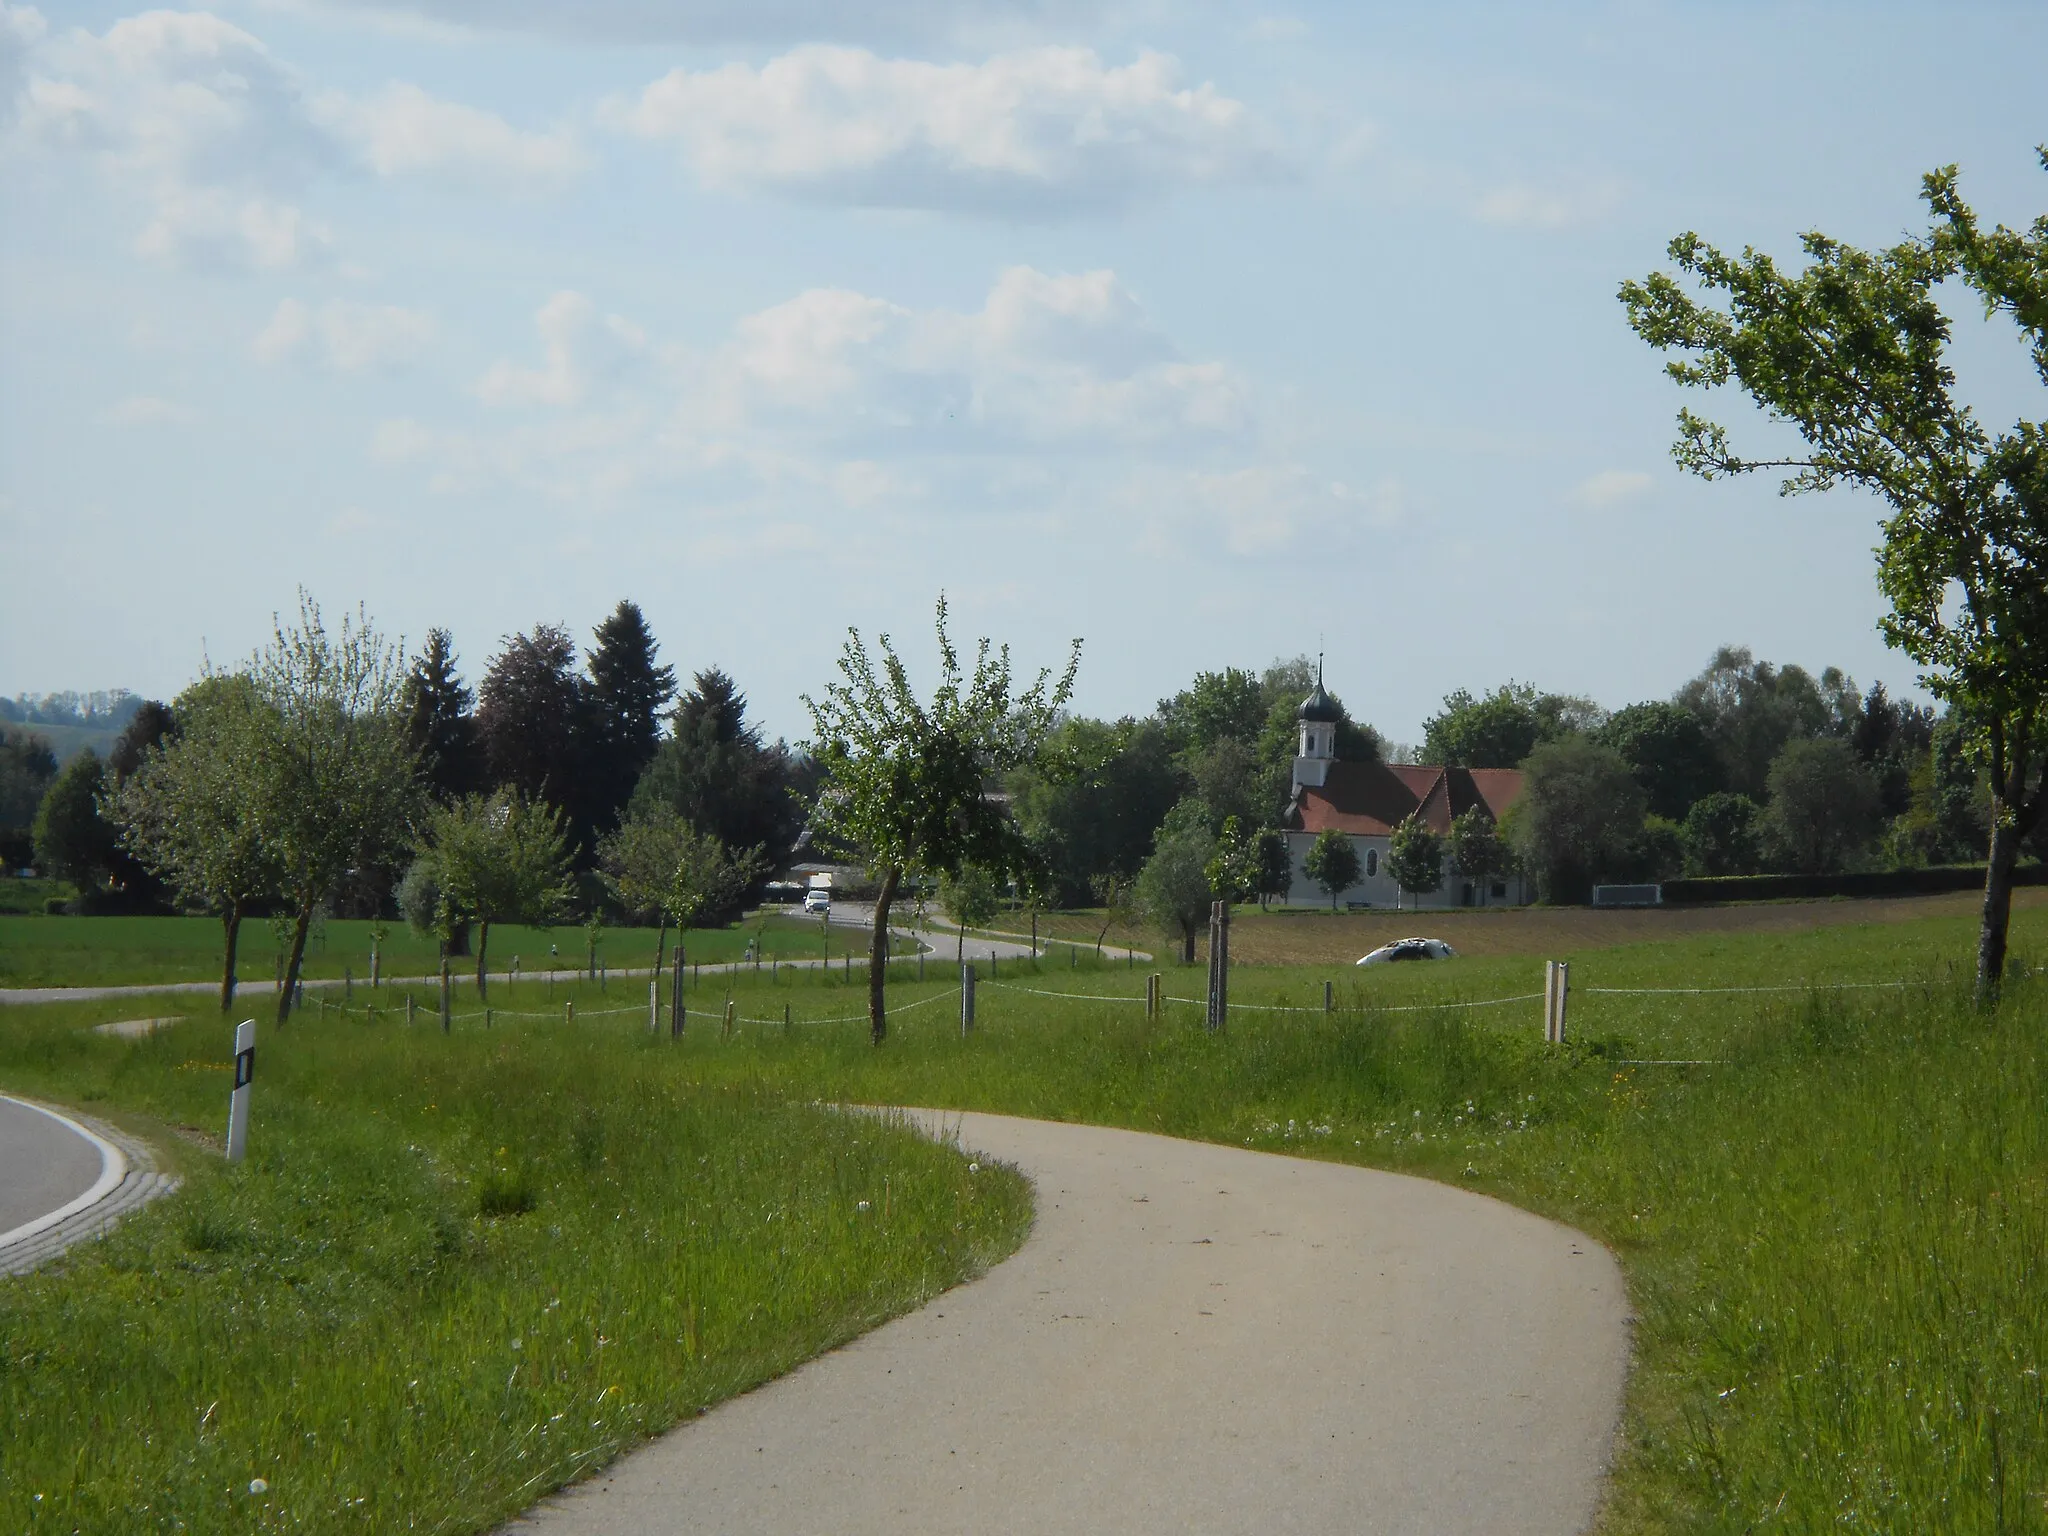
x: 414, y: 1007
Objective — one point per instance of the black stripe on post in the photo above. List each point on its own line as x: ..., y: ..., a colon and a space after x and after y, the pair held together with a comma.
x: 245, y: 1067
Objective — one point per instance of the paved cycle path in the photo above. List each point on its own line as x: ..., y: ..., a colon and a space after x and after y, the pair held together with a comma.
x: 1195, y: 1338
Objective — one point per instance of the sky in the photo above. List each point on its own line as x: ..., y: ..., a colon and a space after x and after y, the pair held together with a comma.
x: 1206, y: 332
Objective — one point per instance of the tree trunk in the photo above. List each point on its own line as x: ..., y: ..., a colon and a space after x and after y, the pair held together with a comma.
x: 483, y: 944
x: 2013, y: 816
x: 1187, y: 951
x: 660, y: 944
x: 303, y: 922
x: 878, y: 956
x: 2005, y: 848
x: 231, y: 936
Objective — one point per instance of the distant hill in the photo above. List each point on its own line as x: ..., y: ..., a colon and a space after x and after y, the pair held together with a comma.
x: 71, y: 722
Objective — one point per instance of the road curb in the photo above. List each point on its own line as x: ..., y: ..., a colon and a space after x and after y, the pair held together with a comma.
x: 129, y: 1179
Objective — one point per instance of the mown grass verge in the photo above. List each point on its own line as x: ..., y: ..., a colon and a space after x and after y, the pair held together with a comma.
x: 454, y: 1273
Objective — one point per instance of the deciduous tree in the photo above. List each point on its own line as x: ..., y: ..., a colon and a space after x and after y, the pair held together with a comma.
x: 1333, y: 864
x: 1852, y: 353
x: 73, y: 840
x: 193, y: 809
x: 1579, y: 812
x: 1173, y: 888
x: 336, y: 783
x: 909, y: 781
x: 498, y: 858
x: 658, y: 864
x: 1823, y: 807
x: 1415, y: 857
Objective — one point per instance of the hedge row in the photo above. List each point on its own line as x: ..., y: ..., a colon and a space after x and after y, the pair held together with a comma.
x: 1888, y: 882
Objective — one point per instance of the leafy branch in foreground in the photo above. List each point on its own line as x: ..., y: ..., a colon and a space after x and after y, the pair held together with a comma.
x: 908, y: 782
x: 1851, y: 352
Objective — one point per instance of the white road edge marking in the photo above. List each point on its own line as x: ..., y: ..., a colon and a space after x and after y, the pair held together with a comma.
x: 113, y: 1169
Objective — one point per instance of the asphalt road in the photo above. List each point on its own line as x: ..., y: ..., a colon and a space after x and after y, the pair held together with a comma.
x: 44, y: 1164
x: 1194, y: 1339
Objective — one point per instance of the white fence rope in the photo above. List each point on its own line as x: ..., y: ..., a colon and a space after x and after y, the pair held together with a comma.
x: 1085, y: 997
x: 1805, y: 986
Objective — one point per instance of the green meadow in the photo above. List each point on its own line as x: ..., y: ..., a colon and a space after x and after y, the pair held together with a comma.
x: 1829, y: 1193
x: 42, y: 951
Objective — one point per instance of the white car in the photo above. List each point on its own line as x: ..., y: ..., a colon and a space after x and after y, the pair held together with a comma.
x: 1410, y: 949
x: 819, y: 901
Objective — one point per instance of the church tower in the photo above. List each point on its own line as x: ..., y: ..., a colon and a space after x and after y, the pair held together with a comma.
x: 1318, y: 718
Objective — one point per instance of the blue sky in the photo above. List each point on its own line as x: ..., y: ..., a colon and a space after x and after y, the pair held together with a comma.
x: 1206, y: 332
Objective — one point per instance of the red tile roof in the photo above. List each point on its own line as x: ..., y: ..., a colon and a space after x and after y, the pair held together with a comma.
x: 1374, y: 798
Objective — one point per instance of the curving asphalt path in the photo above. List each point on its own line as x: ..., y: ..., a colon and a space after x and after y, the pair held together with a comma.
x: 65, y: 1178
x: 1194, y: 1339
x: 46, y: 1163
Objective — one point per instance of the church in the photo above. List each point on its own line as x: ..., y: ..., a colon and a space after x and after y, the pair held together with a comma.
x: 1366, y: 801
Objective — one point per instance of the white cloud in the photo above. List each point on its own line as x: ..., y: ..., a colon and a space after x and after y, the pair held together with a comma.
x: 21, y: 28
x: 1068, y: 357
x: 1275, y: 509
x: 219, y: 138
x: 149, y: 411
x: 345, y: 337
x: 1041, y: 130
x: 405, y: 131
x: 754, y: 21
x: 575, y: 343
x: 1609, y: 488
x: 1557, y: 205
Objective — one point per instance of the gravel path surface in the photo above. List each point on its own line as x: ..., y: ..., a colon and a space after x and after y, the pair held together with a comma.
x: 1194, y: 1339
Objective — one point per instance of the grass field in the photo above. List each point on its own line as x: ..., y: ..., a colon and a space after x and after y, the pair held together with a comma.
x: 43, y: 951
x: 455, y: 1272
x: 1306, y: 936
x: 1834, y: 1224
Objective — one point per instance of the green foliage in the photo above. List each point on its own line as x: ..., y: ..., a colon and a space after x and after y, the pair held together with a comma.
x: 439, y: 725
x: 658, y: 864
x: 1333, y: 864
x: 715, y: 772
x: 1667, y: 749
x: 529, y: 719
x: 970, y: 896
x: 27, y: 769
x: 330, y: 778
x: 1578, y: 816
x: 415, y: 1305
x: 197, y: 810
x: 1851, y: 352
x: 1722, y: 835
x: 1475, y: 846
x: 908, y: 782
x: 1174, y: 892
x: 1750, y: 709
x: 1230, y: 705
x: 1415, y: 857
x: 1502, y: 728
x: 1657, y: 851
x: 621, y: 715
x: 72, y: 840
x: 1233, y: 870
x: 1096, y: 821
x: 1823, y: 809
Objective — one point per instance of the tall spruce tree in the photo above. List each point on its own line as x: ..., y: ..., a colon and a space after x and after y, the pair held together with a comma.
x: 717, y: 773
x: 622, y: 713
x: 439, y: 724
x: 528, y: 719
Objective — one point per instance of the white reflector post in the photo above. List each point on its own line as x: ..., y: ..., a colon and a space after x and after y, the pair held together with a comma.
x: 238, y: 1101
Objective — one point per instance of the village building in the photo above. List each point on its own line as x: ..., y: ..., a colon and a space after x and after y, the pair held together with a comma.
x: 1367, y: 801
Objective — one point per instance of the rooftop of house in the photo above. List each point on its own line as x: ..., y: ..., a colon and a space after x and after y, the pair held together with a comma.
x: 1374, y: 798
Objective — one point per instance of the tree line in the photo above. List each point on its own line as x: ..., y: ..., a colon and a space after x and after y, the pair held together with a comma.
x: 330, y: 772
